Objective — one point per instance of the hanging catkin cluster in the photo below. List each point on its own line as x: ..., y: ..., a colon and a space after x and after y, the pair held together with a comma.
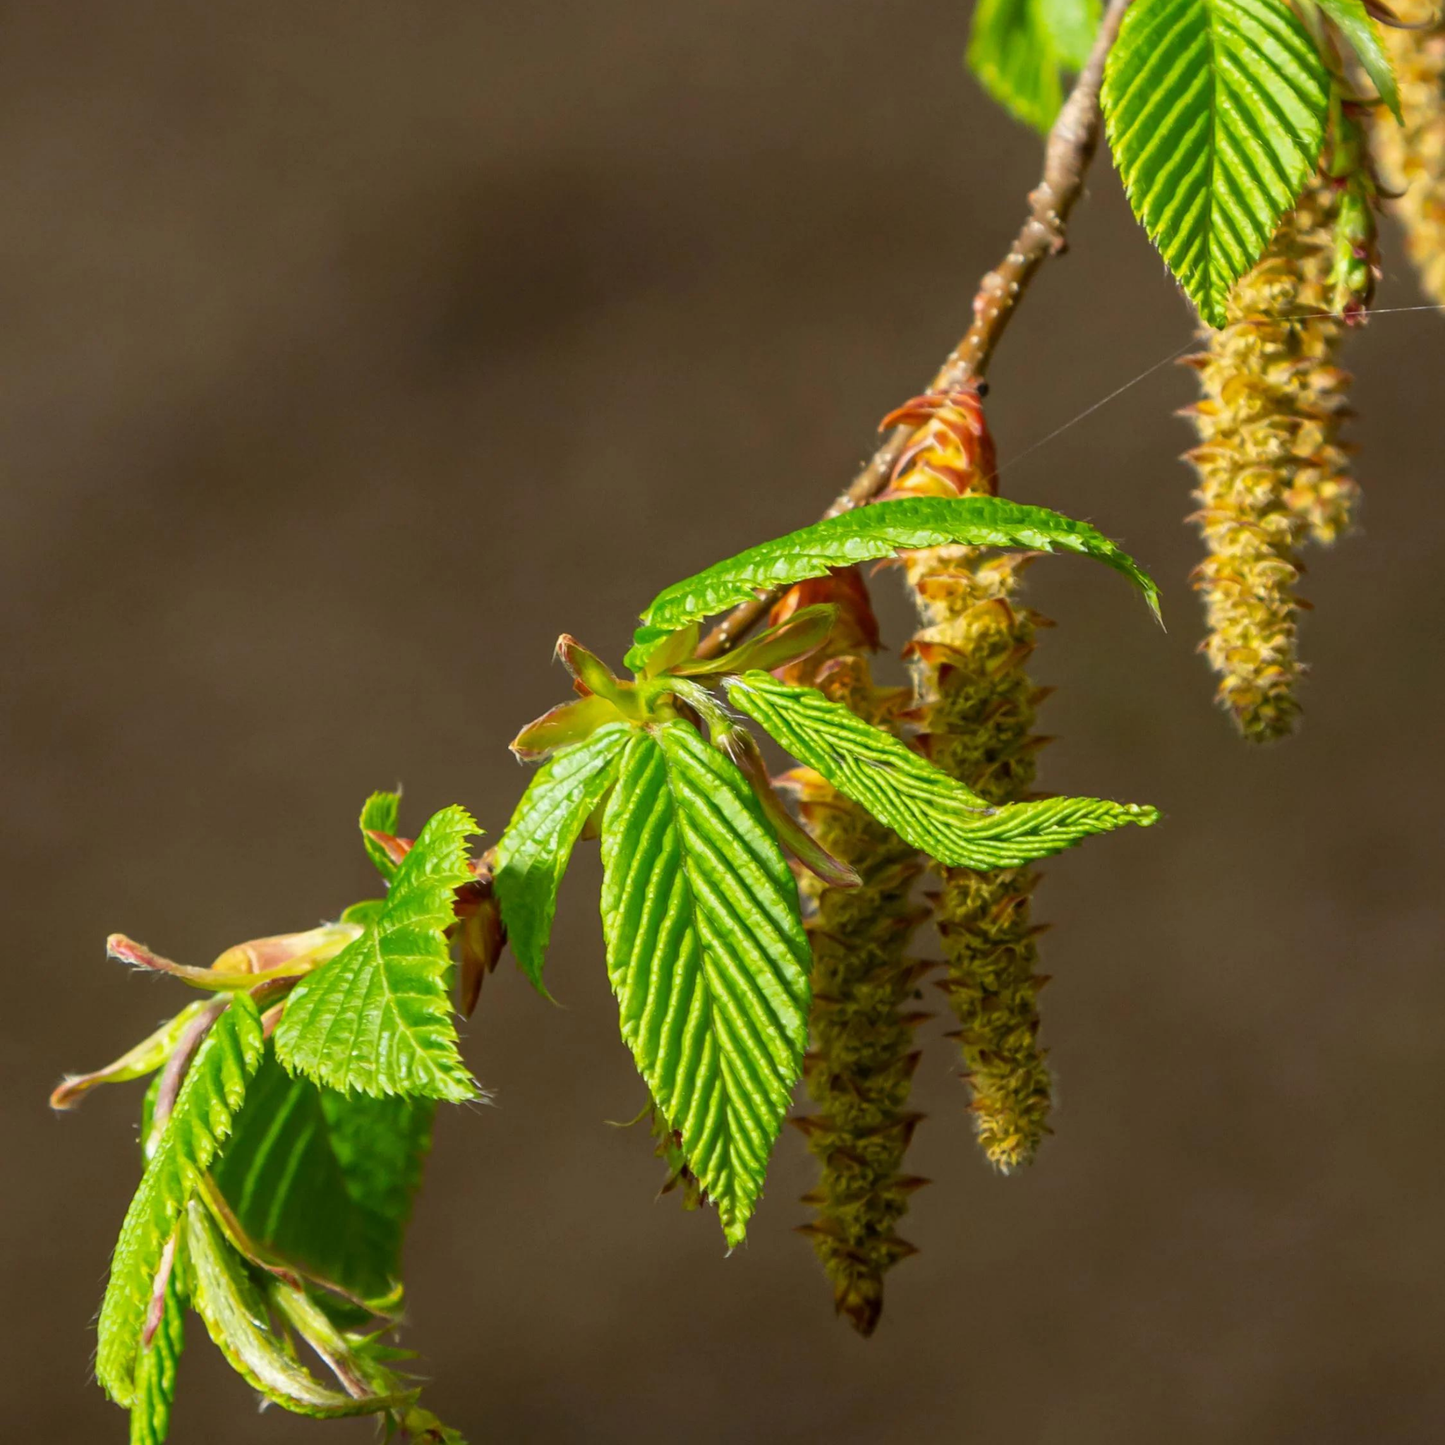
x: 865, y: 987
x: 1412, y: 155
x: 1271, y: 470
x: 975, y: 715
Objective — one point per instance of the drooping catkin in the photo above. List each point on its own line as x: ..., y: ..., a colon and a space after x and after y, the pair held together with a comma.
x: 1271, y: 470
x: 1412, y: 155
x: 975, y: 708
x: 859, y: 1070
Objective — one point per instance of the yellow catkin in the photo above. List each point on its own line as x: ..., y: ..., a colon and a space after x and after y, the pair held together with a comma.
x: 859, y: 1070
x: 975, y: 714
x: 1412, y: 155
x: 1271, y: 470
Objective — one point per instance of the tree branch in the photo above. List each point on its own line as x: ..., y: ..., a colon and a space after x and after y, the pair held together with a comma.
x: 1070, y: 148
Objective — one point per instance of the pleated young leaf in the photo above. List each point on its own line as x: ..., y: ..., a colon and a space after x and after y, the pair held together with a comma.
x: 868, y: 533
x: 533, y: 852
x: 214, y: 1087
x: 155, y: 1376
x: 1359, y: 28
x: 377, y: 1019
x: 1216, y: 114
x: 920, y: 802
x: 324, y: 1181
x: 1019, y: 49
x: 237, y: 1319
x: 707, y: 957
x: 381, y: 813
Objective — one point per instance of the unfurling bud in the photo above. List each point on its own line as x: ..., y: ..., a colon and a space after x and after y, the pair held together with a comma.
x: 975, y: 716
x: 1271, y: 469
x: 860, y: 1070
x: 1412, y: 155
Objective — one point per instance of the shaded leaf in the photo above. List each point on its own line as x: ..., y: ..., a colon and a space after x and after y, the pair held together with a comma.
x: 707, y: 957
x: 324, y: 1181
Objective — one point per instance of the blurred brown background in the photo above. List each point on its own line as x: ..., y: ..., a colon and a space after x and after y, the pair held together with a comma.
x: 353, y: 351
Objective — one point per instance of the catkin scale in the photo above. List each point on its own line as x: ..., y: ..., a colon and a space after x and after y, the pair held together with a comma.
x: 1412, y: 155
x: 859, y: 1069
x: 975, y: 710
x: 1271, y: 470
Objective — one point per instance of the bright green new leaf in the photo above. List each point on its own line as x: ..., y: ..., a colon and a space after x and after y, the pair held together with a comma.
x: 920, y: 802
x: 214, y: 1087
x: 381, y: 813
x: 145, y: 1058
x: 237, y: 1319
x: 532, y: 854
x: 1358, y: 27
x: 1019, y: 49
x: 1216, y: 113
x: 707, y: 957
x: 324, y: 1181
x: 377, y: 1019
x: 868, y: 533
x: 155, y: 1374
x: 1072, y: 26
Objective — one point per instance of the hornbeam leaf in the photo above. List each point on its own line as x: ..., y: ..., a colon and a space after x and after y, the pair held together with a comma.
x: 381, y: 813
x: 207, y: 1102
x: 1358, y: 27
x: 377, y: 1019
x: 867, y: 533
x: 707, y: 957
x: 1072, y: 26
x: 532, y: 854
x: 324, y: 1181
x: 155, y: 1375
x: 237, y: 1320
x: 1216, y: 113
x: 920, y: 802
x: 145, y: 1058
x: 1017, y: 57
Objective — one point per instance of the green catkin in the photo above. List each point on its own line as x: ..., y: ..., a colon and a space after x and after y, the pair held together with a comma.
x: 859, y: 1070
x: 975, y: 714
x: 1412, y: 155
x: 1271, y: 470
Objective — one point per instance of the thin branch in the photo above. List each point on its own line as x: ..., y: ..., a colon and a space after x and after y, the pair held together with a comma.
x: 1067, y: 154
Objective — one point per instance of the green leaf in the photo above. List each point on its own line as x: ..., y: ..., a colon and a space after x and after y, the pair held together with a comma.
x: 920, y: 802
x: 145, y: 1058
x: 707, y: 957
x: 1072, y: 26
x: 1359, y: 28
x: 1016, y: 59
x: 868, y: 533
x: 238, y: 1321
x: 155, y: 1375
x: 1216, y: 113
x: 377, y: 1019
x: 532, y: 854
x: 381, y: 813
x: 324, y: 1181
x: 207, y: 1101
